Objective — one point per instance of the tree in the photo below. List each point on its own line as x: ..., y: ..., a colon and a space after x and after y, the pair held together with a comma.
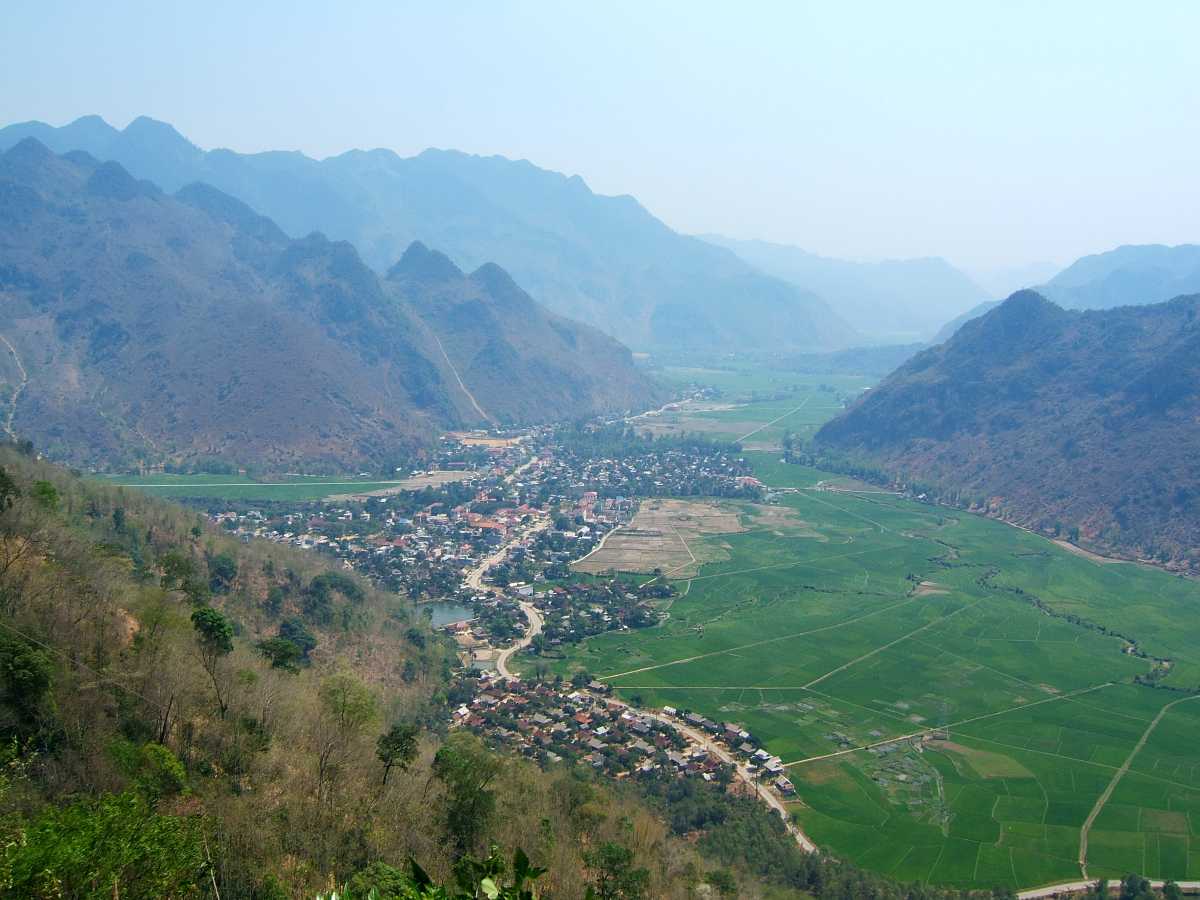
x: 115, y: 846
x: 180, y: 574
x: 45, y: 495
x: 347, y: 707
x: 1135, y: 887
x: 466, y: 768
x: 397, y: 748
x: 614, y: 876
x: 9, y: 491
x: 294, y: 630
x: 723, y: 882
x: 222, y: 571
x: 25, y: 679
x: 214, y: 635
x: 282, y: 653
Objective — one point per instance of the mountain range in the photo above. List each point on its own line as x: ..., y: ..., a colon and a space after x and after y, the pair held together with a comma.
x: 1132, y: 274
x: 895, y: 301
x: 602, y: 260
x: 1082, y: 424
x: 141, y: 325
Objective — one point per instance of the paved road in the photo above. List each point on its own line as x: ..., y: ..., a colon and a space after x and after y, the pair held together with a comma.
x: 1078, y: 887
x: 535, y: 628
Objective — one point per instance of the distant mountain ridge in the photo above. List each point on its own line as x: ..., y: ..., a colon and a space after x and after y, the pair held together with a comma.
x: 1128, y: 275
x: 158, y: 327
x: 1083, y: 424
x: 902, y: 300
x: 603, y: 260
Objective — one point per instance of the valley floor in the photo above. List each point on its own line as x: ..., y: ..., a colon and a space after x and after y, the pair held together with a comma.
x: 952, y: 698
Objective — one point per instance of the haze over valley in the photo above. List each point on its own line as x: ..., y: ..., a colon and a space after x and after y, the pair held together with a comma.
x: 514, y: 451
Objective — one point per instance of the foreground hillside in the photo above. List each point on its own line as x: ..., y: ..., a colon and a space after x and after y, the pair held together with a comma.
x: 186, y: 715
x: 603, y: 260
x: 145, y: 326
x: 1080, y: 424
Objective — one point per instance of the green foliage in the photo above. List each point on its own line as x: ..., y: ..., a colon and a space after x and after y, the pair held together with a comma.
x: 282, y: 653
x: 116, y: 845
x: 293, y: 629
x: 153, y: 768
x: 26, y: 673
x: 614, y: 875
x: 466, y: 768
x: 181, y: 574
x: 45, y: 495
x: 222, y: 571
x: 161, y: 773
x: 397, y: 748
x: 348, y: 702
x: 214, y: 632
x: 474, y: 879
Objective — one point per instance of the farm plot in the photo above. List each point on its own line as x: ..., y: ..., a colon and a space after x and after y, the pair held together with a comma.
x: 290, y: 487
x: 673, y: 537
x: 952, y: 696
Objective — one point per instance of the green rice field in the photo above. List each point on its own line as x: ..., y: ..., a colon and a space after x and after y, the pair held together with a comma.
x: 952, y: 696
x: 237, y: 487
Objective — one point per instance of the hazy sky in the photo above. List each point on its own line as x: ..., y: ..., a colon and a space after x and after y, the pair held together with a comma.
x: 993, y: 134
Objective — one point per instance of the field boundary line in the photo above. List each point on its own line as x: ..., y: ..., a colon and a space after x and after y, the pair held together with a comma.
x: 799, y: 562
x: 812, y: 495
x: 1076, y: 759
x: 947, y: 727
x: 785, y: 637
x: 804, y: 402
x: 1116, y: 779
x: 898, y: 640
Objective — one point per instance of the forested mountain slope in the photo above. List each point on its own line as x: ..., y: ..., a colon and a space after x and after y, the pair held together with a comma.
x: 603, y: 260
x: 1080, y: 424
x: 146, y: 326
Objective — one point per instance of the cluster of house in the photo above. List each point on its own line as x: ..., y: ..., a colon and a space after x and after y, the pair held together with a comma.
x: 556, y: 722
x: 758, y: 762
x: 660, y: 473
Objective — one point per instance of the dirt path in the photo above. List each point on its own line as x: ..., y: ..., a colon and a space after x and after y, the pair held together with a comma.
x: 880, y: 649
x: 1116, y: 779
x: 773, y: 421
x: 947, y: 727
x: 20, y: 388
x: 458, y: 378
x: 691, y: 561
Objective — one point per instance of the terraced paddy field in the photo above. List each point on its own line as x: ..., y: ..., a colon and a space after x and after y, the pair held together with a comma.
x: 955, y: 699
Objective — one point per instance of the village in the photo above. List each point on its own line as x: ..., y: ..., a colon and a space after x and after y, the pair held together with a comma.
x: 581, y: 723
x: 498, y: 541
